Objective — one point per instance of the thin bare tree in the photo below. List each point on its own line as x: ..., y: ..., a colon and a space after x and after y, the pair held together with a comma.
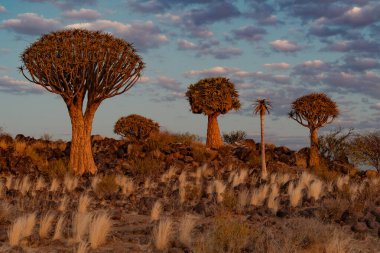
x: 262, y: 106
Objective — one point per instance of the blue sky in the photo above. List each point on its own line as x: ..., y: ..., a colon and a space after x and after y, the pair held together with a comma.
x: 279, y: 50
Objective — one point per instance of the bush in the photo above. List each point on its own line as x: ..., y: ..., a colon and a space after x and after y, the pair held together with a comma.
x: 365, y: 150
x: 227, y: 235
x: 107, y: 185
x: 234, y: 136
x: 136, y: 127
x: 334, y: 145
x: 145, y: 167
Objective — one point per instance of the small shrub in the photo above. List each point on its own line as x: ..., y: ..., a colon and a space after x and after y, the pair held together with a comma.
x: 55, y: 169
x: 145, y: 167
x: 227, y: 235
x: 107, y: 185
x: 234, y: 136
x: 136, y: 127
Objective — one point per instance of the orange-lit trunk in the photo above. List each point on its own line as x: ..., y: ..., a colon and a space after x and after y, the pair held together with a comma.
x: 214, y: 140
x: 314, y: 154
x: 81, y: 158
x: 263, y: 162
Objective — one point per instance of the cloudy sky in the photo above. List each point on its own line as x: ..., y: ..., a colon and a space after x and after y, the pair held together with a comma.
x: 279, y: 50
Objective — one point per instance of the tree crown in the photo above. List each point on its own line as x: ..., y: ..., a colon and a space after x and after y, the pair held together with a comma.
x: 314, y: 110
x: 136, y: 127
x: 75, y: 62
x: 213, y: 95
x: 262, y: 106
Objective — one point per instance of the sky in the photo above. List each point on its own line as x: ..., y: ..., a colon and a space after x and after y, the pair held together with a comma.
x: 279, y: 50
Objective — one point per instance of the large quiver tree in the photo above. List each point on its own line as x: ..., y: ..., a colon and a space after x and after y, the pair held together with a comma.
x: 212, y: 97
x: 84, y: 68
x: 314, y: 111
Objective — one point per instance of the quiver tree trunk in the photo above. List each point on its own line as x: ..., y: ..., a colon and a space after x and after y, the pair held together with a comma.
x: 314, y: 154
x: 81, y: 157
x: 263, y: 161
x: 214, y: 140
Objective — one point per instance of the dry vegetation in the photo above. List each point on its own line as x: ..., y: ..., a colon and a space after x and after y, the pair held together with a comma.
x: 201, y: 208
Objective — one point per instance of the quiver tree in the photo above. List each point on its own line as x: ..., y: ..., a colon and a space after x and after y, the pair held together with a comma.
x: 136, y: 127
x: 212, y: 97
x: 314, y: 111
x: 262, y: 106
x: 84, y: 68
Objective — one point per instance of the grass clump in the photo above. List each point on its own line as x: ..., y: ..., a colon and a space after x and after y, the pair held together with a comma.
x: 227, y: 235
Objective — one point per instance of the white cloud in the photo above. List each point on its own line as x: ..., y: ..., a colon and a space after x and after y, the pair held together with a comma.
x: 87, y: 14
x: 185, y: 44
x: 14, y: 86
x: 277, y: 65
x: 2, y: 9
x: 167, y: 17
x: 376, y: 106
x: 31, y: 24
x: 314, y: 64
x: 143, y: 35
x: 285, y: 46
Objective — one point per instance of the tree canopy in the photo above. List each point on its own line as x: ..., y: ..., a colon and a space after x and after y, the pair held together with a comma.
x: 314, y: 110
x: 213, y: 95
x: 136, y: 127
x: 74, y: 63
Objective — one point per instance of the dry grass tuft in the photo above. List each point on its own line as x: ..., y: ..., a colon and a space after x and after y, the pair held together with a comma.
x: 45, y: 225
x: 30, y: 224
x: 40, y: 183
x: 240, y: 178
x: 54, y: 186
x: 162, y: 234
x: 9, y: 182
x: 21, y: 228
x: 182, y: 179
x: 168, y: 174
x: 186, y: 226
x: 24, y: 185
x: 259, y: 195
x: 342, y: 181
x: 63, y: 204
x: 70, y: 182
x: 99, y: 229
x: 295, y: 194
x: 273, y: 201
x: 220, y: 187
x: 315, y: 189
x: 82, y: 247
x: 59, y: 228
x: 15, y: 232
x: 156, y: 211
x: 84, y: 202
x: 305, y: 179
x: 94, y: 182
